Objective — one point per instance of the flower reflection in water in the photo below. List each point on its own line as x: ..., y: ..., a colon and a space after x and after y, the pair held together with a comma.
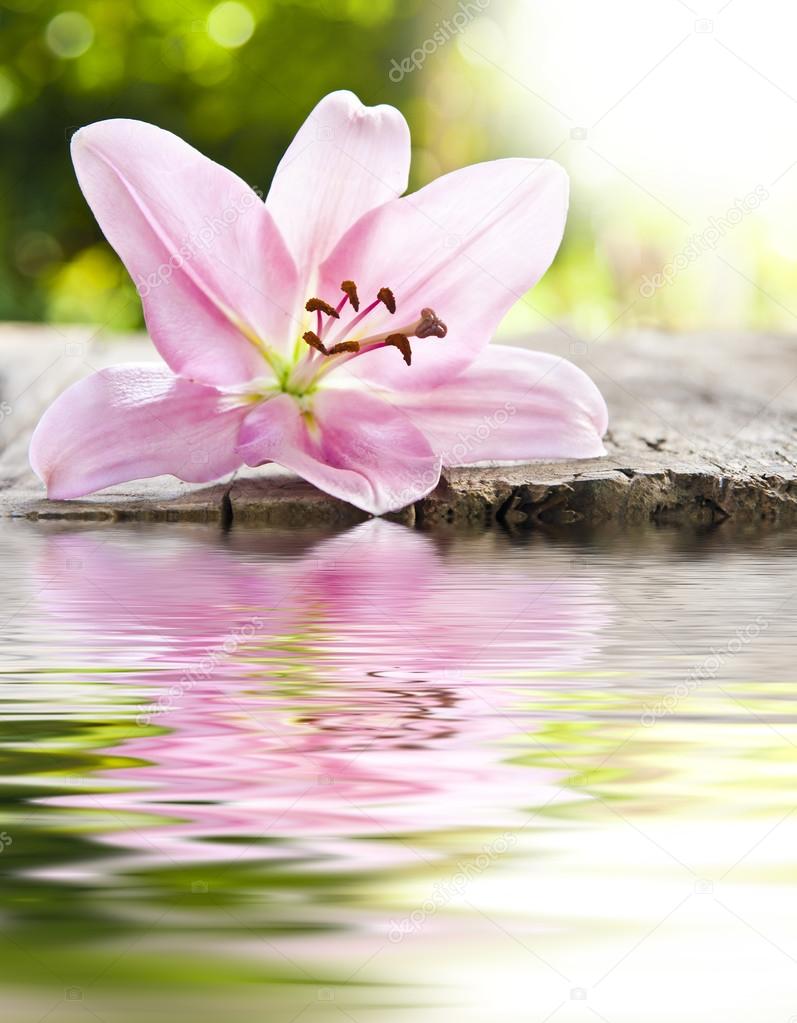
x: 316, y: 704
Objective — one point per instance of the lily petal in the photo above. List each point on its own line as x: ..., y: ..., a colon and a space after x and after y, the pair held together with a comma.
x: 208, y: 261
x: 353, y: 445
x: 131, y: 422
x: 511, y: 404
x: 469, y: 245
x: 345, y: 160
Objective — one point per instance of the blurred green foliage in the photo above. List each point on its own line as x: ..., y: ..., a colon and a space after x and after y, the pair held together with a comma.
x: 236, y: 79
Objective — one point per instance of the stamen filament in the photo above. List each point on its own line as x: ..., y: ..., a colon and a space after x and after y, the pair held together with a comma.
x: 349, y: 327
x: 322, y: 332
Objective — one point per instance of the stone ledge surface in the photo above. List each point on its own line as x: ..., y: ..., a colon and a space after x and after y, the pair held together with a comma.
x: 703, y: 430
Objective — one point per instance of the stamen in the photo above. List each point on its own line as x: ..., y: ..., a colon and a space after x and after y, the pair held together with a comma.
x: 350, y: 289
x: 315, y: 342
x: 344, y: 346
x: 319, y: 305
x: 402, y: 342
x: 341, y: 350
x: 385, y: 295
x: 430, y: 325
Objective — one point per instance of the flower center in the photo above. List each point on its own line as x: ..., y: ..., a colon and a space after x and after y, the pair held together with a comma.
x: 326, y: 353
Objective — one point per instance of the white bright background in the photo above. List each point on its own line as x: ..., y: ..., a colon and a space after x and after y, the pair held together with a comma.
x: 665, y: 112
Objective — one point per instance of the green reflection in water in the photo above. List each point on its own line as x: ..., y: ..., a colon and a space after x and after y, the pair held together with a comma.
x: 423, y: 757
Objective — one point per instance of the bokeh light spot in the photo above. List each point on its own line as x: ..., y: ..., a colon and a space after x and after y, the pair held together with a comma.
x: 69, y: 34
x: 231, y: 24
x: 8, y: 92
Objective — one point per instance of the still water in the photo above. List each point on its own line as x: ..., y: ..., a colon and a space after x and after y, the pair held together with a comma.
x: 390, y: 776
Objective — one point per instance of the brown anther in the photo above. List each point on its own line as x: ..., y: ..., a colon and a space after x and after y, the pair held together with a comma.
x: 385, y: 295
x: 350, y: 288
x: 319, y: 305
x: 344, y: 346
x: 315, y: 342
x: 430, y: 325
x: 402, y: 342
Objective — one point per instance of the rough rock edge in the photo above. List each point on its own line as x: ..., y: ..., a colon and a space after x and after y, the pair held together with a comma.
x: 472, y: 497
x: 626, y: 497
x: 468, y: 497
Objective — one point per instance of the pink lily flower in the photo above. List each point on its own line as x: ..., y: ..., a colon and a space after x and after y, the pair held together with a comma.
x: 338, y: 329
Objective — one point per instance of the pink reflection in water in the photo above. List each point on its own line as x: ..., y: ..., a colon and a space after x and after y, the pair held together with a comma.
x: 326, y: 698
